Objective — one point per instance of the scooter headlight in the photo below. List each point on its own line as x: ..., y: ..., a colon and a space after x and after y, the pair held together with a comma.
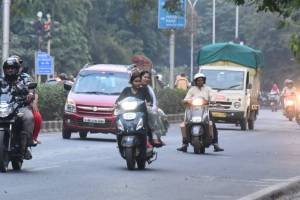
x: 129, y: 105
x: 290, y: 103
x: 197, y: 102
x: 298, y: 97
x: 140, y: 124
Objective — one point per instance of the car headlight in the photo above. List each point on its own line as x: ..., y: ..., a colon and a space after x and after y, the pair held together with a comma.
x: 5, y: 110
x: 237, y: 105
x: 197, y: 102
x: 129, y: 105
x: 70, y: 106
x: 140, y: 124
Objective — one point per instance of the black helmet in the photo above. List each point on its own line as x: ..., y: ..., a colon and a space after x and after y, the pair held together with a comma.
x: 11, y: 62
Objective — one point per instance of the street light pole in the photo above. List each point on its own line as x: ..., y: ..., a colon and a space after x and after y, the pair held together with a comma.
x: 192, y: 35
x: 6, y: 17
x: 172, y: 57
x: 237, y: 22
x: 214, y: 23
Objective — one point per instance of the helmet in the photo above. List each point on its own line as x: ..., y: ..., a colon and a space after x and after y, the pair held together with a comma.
x: 11, y: 63
x: 200, y: 75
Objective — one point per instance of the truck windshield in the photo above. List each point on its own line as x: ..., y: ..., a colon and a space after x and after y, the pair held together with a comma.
x: 109, y: 83
x: 224, y: 79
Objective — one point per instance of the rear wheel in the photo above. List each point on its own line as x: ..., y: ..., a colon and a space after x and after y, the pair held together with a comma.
x: 130, y: 158
x: 3, y: 153
x: 83, y: 134
x: 66, y: 134
x: 17, y: 164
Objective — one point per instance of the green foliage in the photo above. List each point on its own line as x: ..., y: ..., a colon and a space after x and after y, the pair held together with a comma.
x: 170, y: 101
x: 52, y: 99
x: 173, y: 6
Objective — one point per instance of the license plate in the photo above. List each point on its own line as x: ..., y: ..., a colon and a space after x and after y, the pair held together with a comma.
x: 94, y: 120
x: 218, y: 114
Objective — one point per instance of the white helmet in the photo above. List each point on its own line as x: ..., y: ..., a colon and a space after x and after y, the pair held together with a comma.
x: 200, y: 75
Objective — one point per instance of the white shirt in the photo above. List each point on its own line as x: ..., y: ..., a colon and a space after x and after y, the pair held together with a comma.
x: 152, y: 94
x: 203, y: 92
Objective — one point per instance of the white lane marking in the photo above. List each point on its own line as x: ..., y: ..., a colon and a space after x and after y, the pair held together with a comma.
x: 45, y: 168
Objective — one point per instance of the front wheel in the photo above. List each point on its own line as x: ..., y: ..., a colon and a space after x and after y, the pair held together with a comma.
x: 130, y: 158
x: 17, y: 164
x: 3, y: 153
x: 66, y: 134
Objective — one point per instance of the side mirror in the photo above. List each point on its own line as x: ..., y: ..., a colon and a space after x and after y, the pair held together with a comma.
x: 249, y: 86
x: 32, y: 85
x: 68, y: 85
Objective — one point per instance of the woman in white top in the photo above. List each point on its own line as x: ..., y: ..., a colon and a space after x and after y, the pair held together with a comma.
x: 153, y: 114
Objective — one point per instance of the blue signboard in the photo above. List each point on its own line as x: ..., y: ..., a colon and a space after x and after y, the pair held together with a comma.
x: 171, y: 14
x: 43, y: 64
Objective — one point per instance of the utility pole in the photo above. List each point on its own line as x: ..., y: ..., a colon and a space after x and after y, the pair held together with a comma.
x: 192, y: 35
x: 172, y: 57
x: 237, y: 22
x: 47, y: 27
x: 6, y: 30
x: 214, y: 23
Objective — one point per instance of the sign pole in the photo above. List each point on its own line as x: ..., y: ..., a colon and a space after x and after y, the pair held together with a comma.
x: 172, y: 57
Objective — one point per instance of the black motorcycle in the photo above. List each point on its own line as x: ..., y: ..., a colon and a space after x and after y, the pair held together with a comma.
x: 132, y: 133
x: 199, y: 129
x: 11, y: 100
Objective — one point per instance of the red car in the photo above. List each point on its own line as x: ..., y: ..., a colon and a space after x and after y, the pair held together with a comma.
x: 89, y: 106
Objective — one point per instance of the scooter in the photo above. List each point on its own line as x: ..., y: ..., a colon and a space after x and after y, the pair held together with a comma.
x: 132, y: 133
x: 290, y: 106
x: 273, y: 99
x: 199, y: 126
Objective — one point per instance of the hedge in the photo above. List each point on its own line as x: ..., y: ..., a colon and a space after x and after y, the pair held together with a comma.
x: 51, y: 102
x: 52, y: 99
x: 170, y: 100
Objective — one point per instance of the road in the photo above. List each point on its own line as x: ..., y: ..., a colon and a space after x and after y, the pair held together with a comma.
x: 92, y: 169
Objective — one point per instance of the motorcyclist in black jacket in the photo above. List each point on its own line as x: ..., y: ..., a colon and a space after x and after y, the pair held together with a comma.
x: 12, y: 78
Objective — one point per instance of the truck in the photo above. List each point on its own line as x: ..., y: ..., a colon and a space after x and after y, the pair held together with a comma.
x: 233, y: 73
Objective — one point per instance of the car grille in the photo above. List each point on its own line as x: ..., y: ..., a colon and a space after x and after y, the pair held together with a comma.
x: 221, y: 105
x: 79, y: 122
x: 94, y: 110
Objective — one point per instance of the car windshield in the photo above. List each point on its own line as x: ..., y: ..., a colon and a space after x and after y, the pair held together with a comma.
x: 109, y: 83
x: 224, y: 79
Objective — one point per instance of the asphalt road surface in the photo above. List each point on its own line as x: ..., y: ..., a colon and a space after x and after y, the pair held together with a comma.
x: 92, y: 169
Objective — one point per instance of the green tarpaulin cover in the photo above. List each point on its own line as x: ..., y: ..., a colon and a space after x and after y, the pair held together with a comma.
x: 236, y: 53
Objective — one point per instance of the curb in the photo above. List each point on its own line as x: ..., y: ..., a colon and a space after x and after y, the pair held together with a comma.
x: 56, y: 126
x: 278, y: 191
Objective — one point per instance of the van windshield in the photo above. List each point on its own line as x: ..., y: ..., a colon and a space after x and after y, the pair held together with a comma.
x: 109, y: 83
x: 224, y: 79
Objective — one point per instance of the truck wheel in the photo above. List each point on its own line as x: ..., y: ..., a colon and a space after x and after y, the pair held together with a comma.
x: 244, y: 124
